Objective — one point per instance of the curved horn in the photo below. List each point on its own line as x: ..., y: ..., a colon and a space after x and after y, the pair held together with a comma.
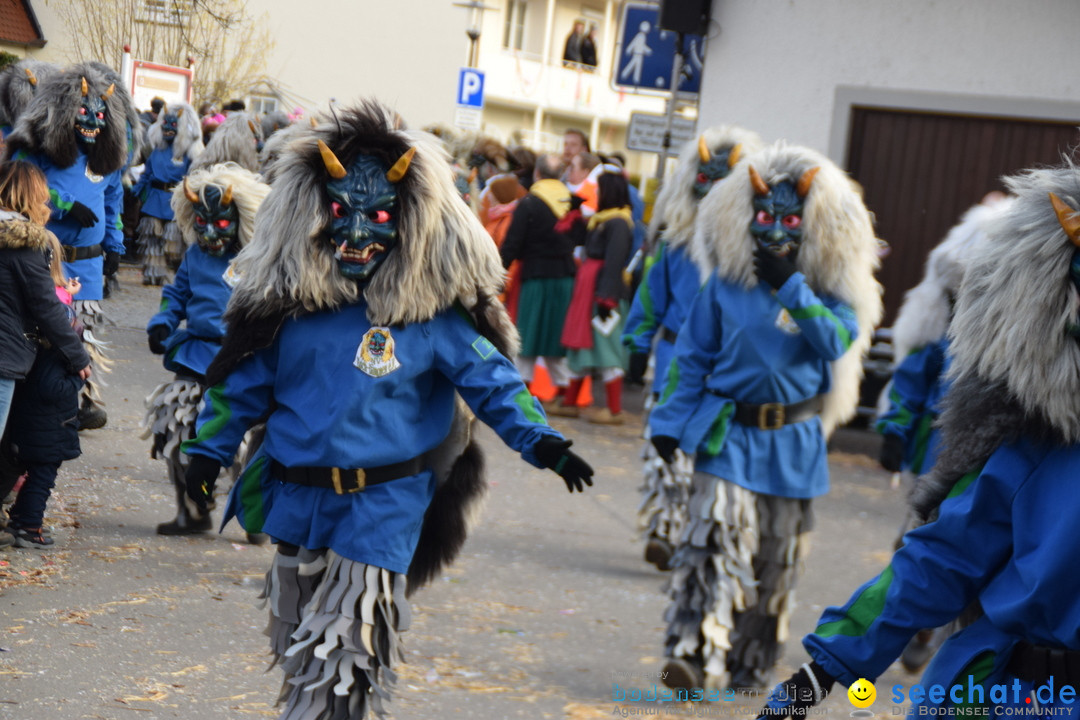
x: 313, y: 123
x: 226, y: 197
x: 251, y: 125
x: 179, y: 112
x: 703, y: 149
x: 189, y: 193
x: 473, y: 174
x: 30, y: 76
x: 760, y: 188
x: 85, y: 88
x: 333, y: 165
x: 109, y: 92
x: 1069, y: 219
x: 804, y: 182
x: 401, y: 167
x: 734, y: 155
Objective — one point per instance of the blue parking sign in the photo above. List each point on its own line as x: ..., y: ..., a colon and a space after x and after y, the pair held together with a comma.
x: 470, y: 88
x: 646, y: 53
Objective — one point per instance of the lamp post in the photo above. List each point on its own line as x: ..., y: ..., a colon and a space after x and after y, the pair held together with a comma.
x: 472, y: 29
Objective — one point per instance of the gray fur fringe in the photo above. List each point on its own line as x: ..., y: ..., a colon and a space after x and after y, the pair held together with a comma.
x: 334, y: 626
x: 665, y: 495
x: 92, y: 316
x: 733, y: 581
x: 151, y: 240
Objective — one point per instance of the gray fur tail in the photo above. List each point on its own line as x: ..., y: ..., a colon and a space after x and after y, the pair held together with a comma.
x: 447, y: 520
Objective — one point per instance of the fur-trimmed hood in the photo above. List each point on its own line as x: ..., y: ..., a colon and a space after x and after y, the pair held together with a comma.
x: 233, y: 141
x: 188, y: 141
x: 837, y: 255
x: 18, y: 85
x: 1015, y: 368
x: 676, y: 205
x: 48, y: 124
x: 247, y: 192
x: 443, y: 256
x: 924, y: 315
x: 18, y: 233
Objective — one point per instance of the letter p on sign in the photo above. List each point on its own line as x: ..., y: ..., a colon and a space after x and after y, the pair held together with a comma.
x: 470, y: 88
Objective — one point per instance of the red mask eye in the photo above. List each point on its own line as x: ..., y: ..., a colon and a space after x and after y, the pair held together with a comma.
x: 702, y: 178
x: 337, y: 210
x: 222, y: 224
x: 82, y: 111
x: 101, y: 116
x: 792, y: 221
x: 201, y: 222
x: 764, y: 218
x: 380, y: 216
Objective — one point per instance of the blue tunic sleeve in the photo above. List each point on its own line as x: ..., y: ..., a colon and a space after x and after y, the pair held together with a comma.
x: 827, y: 324
x: 114, y: 207
x: 490, y: 385
x: 650, y: 304
x: 174, y: 300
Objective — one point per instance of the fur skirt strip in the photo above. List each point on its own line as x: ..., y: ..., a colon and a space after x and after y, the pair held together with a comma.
x: 665, y: 495
x: 91, y: 315
x: 732, y: 588
x: 151, y: 240
x: 334, y: 628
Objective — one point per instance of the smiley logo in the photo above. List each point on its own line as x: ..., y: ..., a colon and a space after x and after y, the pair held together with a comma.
x: 862, y: 693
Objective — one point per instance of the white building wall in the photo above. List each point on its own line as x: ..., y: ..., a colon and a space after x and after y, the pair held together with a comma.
x: 775, y: 66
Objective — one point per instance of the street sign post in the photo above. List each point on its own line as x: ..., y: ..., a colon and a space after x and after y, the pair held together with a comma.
x: 470, y: 99
x: 646, y: 132
x: 646, y: 54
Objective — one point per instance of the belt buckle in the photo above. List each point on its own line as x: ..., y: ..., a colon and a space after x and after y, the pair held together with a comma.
x: 763, y: 416
x: 69, y: 253
x: 335, y: 478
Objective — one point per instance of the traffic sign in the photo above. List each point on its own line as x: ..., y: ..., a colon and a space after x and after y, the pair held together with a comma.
x: 646, y: 53
x: 646, y: 132
x: 470, y: 88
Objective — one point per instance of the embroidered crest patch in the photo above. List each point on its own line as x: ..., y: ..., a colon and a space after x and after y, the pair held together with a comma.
x: 483, y: 347
x: 375, y: 356
x: 785, y: 323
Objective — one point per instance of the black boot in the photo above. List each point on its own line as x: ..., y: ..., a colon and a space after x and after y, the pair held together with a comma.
x: 185, y: 525
x: 91, y: 416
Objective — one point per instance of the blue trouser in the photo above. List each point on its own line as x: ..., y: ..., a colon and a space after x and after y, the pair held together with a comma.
x: 29, y: 508
x: 7, y: 391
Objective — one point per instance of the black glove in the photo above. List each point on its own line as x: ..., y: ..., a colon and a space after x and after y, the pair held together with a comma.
x: 801, y: 691
x: 639, y: 362
x: 200, y: 478
x: 82, y: 214
x: 665, y: 447
x: 553, y: 452
x: 892, y: 453
x: 111, y: 264
x: 772, y: 270
x: 156, y: 337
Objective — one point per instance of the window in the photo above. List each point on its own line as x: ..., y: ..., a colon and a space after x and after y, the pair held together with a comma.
x: 514, y: 24
x: 165, y: 12
x: 262, y: 104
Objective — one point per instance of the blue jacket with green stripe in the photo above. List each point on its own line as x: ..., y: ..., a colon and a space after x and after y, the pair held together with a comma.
x: 324, y: 411
x: 1007, y: 537
x: 754, y: 346
x: 663, y: 300
x: 915, y: 394
x: 104, y: 195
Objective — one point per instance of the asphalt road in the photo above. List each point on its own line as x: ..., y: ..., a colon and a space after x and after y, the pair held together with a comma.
x: 549, y: 605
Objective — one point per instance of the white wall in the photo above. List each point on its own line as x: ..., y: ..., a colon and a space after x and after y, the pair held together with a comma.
x: 774, y: 65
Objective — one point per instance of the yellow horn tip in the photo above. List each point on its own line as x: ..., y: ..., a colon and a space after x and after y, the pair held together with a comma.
x: 189, y: 193
x: 85, y: 87
x: 805, y: 181
x: 703, y: 149
x: 1068, y: 218
x: 333, y: 165
x: 30, y: 76
x: 760, y: 186
x: 734, y: 155
x: 226, y: 197
x: 401, y: 166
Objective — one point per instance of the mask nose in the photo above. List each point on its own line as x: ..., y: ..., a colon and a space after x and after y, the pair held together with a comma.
x: 776, y: 235
x: 358, y: 229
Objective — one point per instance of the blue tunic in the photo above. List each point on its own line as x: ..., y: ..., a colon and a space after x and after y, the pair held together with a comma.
x: 104, y: 195
x: 1007, y: 537
x: 754, y: 346
x: 918, y: 387
x: 663, y: 300
x: 326, y: 412
x: 160, y: 167
x: 197, y: 296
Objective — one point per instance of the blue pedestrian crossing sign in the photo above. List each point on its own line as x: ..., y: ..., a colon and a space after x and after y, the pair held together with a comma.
x: 470, y: 88
x: 646, y: 53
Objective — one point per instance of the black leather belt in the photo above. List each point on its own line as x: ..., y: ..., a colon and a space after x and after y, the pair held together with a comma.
x: 158, y: 185
x: 773, y: 416
x: 342, y: 480
x: 668, y: 334
x: 1037, y: 664
x: 71, y: 254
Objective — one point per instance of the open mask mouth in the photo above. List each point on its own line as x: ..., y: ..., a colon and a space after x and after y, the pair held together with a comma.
x: 781, y: 249
x: 360, y: 256
x: 90, y: 135
x: 168, y: 133
x: 213, y: 247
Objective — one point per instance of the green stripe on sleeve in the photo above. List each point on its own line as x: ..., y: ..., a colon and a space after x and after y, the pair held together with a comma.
x: 57, y: 202
x: 524, y: 400
x: 962, y: 484
x: 647, y: 306
x: 975, y: 674
x: 719, y: 430
x: 816, y: 311
x: 222, y: 413
x: 672, y: 380
x: 863, y: 612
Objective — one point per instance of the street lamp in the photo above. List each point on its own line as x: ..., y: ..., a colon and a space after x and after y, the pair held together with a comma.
x: 472, y: 29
